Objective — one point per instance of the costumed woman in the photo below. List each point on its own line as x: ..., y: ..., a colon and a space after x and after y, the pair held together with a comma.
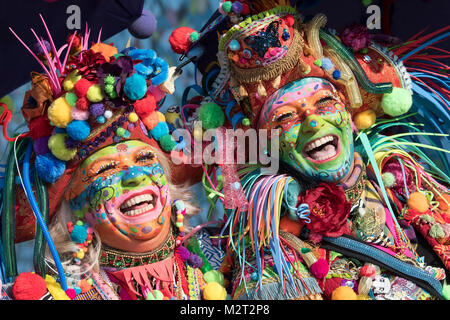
x: 339, y: 218
x: 100, y: 158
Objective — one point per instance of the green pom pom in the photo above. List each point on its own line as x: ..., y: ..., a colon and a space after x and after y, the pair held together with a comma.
x: 211, y: 115
x: 246, y: 122
x: 318, y: 62
x: 194, y: 36
x: 167, y: 143
x: 214, y: 276
x: 388, y: 179
x: 226, y: 6
x: 446, y: 291
x: 396, y: 103
x: 436, y: 231
x: 366, y: 3
x: 57, y: 144
x: 71, y: 99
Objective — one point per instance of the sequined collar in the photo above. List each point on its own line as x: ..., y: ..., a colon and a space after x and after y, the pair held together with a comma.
x: 113, y: 258
x: 355, y: 184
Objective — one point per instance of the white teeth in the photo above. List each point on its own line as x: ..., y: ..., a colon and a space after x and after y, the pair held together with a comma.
x: 136, y: 200
x: 318, y: 142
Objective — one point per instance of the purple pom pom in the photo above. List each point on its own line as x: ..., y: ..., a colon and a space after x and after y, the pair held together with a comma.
x: 38, y: 49
x: 183, y: 253
x: 40, y: 146
x: 97, y: 109
x: 195, y: 261
x: 144, y: 26
x: 236, y: 7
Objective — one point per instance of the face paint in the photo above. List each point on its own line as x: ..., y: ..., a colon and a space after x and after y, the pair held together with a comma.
x: 315, y: 131
x: 122, y: 190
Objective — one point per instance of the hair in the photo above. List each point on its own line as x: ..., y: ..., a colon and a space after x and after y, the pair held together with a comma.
x: 66, y: 247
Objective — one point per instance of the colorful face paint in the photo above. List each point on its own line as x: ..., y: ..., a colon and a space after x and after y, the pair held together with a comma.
x: 121, y: 190
x: 315, y: 131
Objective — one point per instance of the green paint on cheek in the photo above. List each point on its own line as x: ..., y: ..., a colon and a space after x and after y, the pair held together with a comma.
x: 133, y: 229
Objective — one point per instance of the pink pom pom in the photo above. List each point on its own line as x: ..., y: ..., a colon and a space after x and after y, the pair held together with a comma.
x: 320, y: 268
x: 78, y: 114
x: 71, y: 293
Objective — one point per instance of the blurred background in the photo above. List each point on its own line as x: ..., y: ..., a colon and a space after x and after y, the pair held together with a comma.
x: 401, y: 18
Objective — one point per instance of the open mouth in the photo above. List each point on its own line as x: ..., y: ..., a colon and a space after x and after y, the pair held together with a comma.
x: 322, y: 149
x: 138, y: 204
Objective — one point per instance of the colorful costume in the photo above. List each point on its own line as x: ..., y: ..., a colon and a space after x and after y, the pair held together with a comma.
x: 349, y: 186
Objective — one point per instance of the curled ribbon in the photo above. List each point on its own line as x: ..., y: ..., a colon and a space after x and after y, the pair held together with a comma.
x: 303, y: 212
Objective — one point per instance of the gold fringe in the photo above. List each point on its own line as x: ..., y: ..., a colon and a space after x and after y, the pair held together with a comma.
x: 261, y: 90
x: 276, y: 82
x: 242, y: 91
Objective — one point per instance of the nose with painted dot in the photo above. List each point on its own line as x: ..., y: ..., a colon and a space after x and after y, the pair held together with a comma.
x: 134, y: 178
x: 312, y: 124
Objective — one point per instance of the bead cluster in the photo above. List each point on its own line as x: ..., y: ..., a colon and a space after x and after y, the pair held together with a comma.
x: 181, y: 211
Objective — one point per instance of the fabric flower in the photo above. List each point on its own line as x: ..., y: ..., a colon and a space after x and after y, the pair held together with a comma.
x: 356, y: 36
x: 329, y: 210
x: 87, y: 63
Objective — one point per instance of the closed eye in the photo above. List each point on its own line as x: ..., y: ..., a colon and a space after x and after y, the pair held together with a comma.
x: 106, y: 167
x: 145, y: 156
x: 324, y: 101
x: 285, y: 116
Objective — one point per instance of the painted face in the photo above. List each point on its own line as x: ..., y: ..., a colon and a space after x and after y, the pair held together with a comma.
x: 122, y: 192
x: 315, y: 132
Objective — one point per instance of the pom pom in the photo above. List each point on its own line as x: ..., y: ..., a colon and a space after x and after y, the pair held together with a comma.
x: 108, y: 114
x: 71, y: 98
x: 135, y: 87
x: 83, y: 104
x: 234, y: 45
x: 156, y: 295
x: 78, y: 130
x: 436, y: 231
x: 236, y: 7
x: 59, y: 113
x: 78, y: 234
x: 320, y: 269
x: 161, y: 129
x: 388, y: 179
x: 183, y: 252
x: 336, y: 74
x: 226, y: 6
x: 57, y: 144
x: 167, y: 143
x: 78, y: 114
x: 194, y: 36
x: 151, y: 121
x: 356, y: 36
x: 365, y: 119
x: 49, y: 168
x: 40, y: 146
x: 444, y: 201
x: 133, y: 117
x: 94, y: 94
x: 344, y: 293
x: 214, y: 276
x: 289, y: 20
x: 84, y: 285
x: 40, y: 127
x: 418, y: 201
x: 144, y: 26
x: 97, y: 109
x: 195, y: 261
x: 29, y: 286
x: 71, y: 293
x: 396, y: 103
x: 180, y: 39
x: 211, y: 115
x: 81, y: 87
x: 70, y: 80
x: 245, y: 9
x: 145, y: 106
x: 214, y: 291
x: 106, y: 50
x: 327, y: 64
x: 368, y: 271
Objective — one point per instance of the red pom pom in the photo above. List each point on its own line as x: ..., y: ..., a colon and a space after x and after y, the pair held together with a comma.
x: 145, y: 106
x: 245, y: 9
x: 76, y: 42
x: 320, y: 269
x: 40, y: 127
x: 179, y: 39
x: 81, y: 87
x: 83, y: 104
x: 289, y: 19
x: 29, y: 286
x: 367, y: 271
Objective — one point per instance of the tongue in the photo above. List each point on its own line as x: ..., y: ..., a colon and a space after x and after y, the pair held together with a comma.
x: 326, y: 152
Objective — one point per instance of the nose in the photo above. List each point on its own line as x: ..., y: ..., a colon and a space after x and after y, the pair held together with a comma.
x: 133, y: 179
x: 312, y: 124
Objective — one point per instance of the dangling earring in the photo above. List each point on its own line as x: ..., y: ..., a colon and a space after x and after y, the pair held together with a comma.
x: 81, y: 234
x: 180, y: 212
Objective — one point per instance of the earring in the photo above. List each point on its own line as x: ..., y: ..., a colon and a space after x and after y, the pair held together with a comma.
x: 81, y: 234
x: 180, y: 212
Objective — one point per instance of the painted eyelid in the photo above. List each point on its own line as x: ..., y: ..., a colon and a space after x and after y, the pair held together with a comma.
x: 97, y: 167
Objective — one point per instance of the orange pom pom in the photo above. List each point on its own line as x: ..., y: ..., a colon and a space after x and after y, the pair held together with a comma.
x: 442, y: 204
x: 179, y: 39
x: 84, y: 285
x: 151, y: 120
x: 290, y: 226
x: 106, y: 50
x: 418, y: 201
x: 344, y: 293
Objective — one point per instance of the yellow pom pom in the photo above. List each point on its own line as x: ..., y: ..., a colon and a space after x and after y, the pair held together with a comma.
x: 94, y: 93
x: 172, y: 117
x: 133, y: 117
x: 161, y: 117
x: 59, y: 113
x: 55, y: 289
x: 365, y: 119
x: 57, y: 145
x: 80, y: 254
x: 70, y: 80
x: 344, y: 293
x: 418, y: 201
x: 214, y: 291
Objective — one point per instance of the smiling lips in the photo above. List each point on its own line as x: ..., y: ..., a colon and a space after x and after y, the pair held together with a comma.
x: 322, y: 149
x: 138, y: 205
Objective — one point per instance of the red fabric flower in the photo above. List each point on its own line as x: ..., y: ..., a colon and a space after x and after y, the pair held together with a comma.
x: 329, y: 210
x: 356, y: 37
